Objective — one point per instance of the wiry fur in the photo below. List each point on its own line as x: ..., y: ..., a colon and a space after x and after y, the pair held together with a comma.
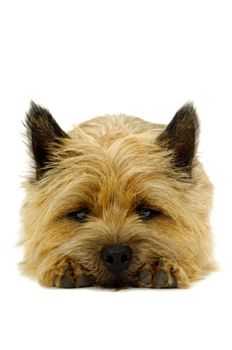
x: 112, y: 164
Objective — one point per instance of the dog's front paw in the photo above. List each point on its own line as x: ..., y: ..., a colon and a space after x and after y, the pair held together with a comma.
x: 68, y: 274
x: 161, y: 273
x: 75, y: 276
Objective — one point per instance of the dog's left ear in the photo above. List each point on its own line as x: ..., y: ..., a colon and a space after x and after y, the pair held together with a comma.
x: 44, y: 137
x: 181, y: 136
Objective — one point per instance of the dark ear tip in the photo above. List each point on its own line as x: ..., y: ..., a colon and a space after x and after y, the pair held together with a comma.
x: 40, y: 121
x: 38, y: 118
x: 189, y: 106
x: 187, y: 115
x: 34, y: 108
x: 33, y: 104
x: 188, y: 110
x: 36, y: 111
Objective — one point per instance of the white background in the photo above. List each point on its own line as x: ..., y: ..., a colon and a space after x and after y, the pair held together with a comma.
x: 86, y: 58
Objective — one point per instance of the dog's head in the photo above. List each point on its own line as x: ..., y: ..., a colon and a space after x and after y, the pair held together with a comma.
x: 112, y: 200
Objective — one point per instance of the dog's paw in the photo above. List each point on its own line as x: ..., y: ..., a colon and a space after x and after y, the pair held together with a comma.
x: 75, y: 276
x: 68, y: 274
x: 161, y: 273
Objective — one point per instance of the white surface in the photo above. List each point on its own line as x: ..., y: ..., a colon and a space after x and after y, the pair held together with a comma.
x: 144, y: 58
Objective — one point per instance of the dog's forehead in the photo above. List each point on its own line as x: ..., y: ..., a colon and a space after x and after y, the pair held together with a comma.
x: 114, y: 152
x: 111, y: 176
x: 126, y: 171
x: 125, y: 164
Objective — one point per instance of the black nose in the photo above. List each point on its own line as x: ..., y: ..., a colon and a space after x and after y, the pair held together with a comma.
x: 117, y: 257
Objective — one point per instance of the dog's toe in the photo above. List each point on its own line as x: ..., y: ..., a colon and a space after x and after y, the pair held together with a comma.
x: 164, y: 273
x: 83, y: 281
x: 66, y: 282
x: 145, y: 277
x: 160, y: 279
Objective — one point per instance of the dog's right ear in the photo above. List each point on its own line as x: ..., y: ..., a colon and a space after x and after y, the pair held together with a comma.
x: 44, y: 136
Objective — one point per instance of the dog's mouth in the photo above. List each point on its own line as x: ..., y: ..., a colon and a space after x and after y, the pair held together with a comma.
x: 127, y: 278
x: 117, y: 284
x: 118, y: 281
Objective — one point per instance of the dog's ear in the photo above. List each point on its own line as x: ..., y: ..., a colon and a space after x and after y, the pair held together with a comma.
x: 181, y: 136
x: 44, y: 137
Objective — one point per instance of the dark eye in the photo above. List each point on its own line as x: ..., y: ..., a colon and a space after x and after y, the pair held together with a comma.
x: 147, y: 213
x: 79, y: 215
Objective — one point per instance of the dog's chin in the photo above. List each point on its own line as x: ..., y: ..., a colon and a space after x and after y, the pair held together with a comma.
x: 117, y: 281
x: 117, y: 284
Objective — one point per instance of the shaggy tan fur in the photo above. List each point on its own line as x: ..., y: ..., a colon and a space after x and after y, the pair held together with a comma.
x: 110, y: 166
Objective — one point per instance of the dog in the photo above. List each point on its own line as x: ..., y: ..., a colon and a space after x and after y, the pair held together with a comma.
x: 116, y: 202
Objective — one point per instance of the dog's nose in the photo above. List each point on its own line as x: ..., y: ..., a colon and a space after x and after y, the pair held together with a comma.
x: 117, y: 257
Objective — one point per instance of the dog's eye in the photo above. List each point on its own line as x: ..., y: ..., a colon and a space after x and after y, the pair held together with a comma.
x: 79, y: 215
x: 147, y: 213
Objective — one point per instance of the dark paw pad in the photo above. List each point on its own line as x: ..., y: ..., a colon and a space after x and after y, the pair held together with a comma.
x: 66, y: 282
x: 145, y: 277
x: 83, y: 281
x: 161, y: 280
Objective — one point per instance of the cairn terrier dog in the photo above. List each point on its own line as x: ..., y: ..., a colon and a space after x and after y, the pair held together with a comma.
x: 116, y: 202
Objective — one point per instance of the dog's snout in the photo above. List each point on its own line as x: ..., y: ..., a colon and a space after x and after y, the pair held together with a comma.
x: 116, y: 258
